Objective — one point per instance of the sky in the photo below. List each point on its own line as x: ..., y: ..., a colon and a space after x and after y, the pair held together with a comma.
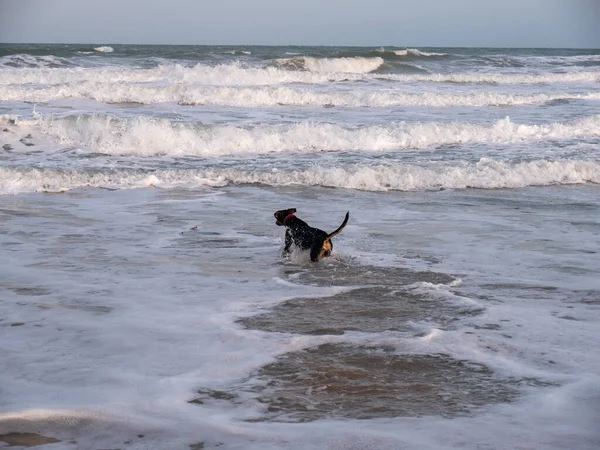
x: 433, y: 23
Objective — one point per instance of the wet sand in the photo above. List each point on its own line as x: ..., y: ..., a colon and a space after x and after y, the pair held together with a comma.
x: 338, y: 380
x: 26, y: 439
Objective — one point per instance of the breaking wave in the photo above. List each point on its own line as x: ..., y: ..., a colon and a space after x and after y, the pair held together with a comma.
x: 270, y: 96
x: 104, y: 49
x: 236, y: 74
x: 151, y: 137
x: 489, y: 78
x: 486, y: 174
x: 238, y: 52
x: 356, y: 65
x: 415, y: 52
x: 32, y: 62
x: 387, y: 53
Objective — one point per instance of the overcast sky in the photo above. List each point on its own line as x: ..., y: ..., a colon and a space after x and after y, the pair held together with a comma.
x: 469, y: 23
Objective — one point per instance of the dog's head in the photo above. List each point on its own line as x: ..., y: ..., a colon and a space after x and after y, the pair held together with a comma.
x: 281, y: 215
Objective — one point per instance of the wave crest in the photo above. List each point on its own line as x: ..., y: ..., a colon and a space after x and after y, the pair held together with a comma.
x: 235, y: 74
x: 104, y: 49
x: 331, y: 65
x: 393, y: 54
x: 24, y: 60
x: 151, y: 137
x: 486, y: 174
x: 415, y: 52
x: 270, y: 96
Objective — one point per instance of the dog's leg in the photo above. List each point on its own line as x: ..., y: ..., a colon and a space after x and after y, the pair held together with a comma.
x: 288, y: 242
x: 317, y: 251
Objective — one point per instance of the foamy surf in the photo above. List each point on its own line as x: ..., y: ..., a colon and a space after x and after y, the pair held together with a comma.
x: 32, y: 70
x: 104, y: 49
x: 416, y: 52
x: 239, y: 52
x: 151, y: 137
x: 485, y: 174
x: 117, y: 92
x: 488, y: 78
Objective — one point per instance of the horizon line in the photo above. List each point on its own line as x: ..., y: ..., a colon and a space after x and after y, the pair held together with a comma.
x: 297, y: 45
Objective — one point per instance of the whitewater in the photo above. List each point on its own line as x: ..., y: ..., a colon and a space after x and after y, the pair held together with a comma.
x: 144, y: 299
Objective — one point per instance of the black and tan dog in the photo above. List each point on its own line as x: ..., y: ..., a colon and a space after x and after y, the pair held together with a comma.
x: 306, y: 237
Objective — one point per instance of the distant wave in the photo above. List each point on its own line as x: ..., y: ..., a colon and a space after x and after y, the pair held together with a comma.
x: 501, y: 61
x: 148, y: 137
x: 238, y: 52
x: 490, y: 78
x: 486, y: 174
x: 415, y: 52
x: 331, y: 65
x: 104, y: 49
x: 539, y: 60
x: 34, y: 70
x: 30, y: 61
x: 271, y: 96
x: 406, y: 53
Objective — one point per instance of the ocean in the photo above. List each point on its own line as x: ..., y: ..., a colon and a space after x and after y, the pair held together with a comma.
x: 144, y: 299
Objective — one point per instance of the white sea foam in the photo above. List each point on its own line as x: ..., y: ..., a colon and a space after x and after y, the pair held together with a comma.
x: 488, y: 78
x: 270, y: 96
x: 343, y: 65
x: 220, y: 75
x: 104, y: 49
x: 486, y: 174
x: 238, y: 52
x: 150, y: 137
x: 442, y: 291
x: 236, y: 74
x: 415, y: 52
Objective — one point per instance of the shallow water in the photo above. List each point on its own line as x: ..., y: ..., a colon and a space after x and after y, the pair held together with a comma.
x: 113, y: 306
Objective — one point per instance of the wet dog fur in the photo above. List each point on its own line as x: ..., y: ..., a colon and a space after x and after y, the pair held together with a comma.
x: 306, y: 237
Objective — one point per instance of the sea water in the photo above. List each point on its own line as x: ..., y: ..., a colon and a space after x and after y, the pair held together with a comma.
x: 144, y: 299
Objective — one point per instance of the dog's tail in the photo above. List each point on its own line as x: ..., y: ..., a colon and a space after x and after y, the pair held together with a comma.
x: 339, y: 230
x: 323, y: 246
